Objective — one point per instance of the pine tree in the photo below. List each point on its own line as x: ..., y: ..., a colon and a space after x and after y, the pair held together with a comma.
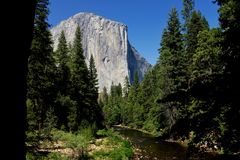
x: 229, y: 21
x: 119, y: 90
x: 151, y: 89
x: 171, y: 53
x: 170, y: 67
x: 62, y: 50
x: 73, y: 123
x: 93, y: 78
x: 196, y: 24
x: 133, y: 92
x: 41, y: 76
x: 31, y: 116
x: 135, y: 111
x: 126, y: 87
x: 63, y: 80
x: 203, y: 112
x: 113, y: 92
x: 95, y: 111
x: 188, y: 6
x: 80, y: 80
x: 206, y: 59
x: 112, y: 109
x: 104, y: 96
x: 50, y: 122
x: 148, y: 94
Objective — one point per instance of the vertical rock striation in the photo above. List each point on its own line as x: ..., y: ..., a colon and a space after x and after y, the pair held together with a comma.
x: 107, y: 41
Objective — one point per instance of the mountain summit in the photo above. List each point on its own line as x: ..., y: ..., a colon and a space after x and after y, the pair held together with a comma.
x: 107, y: 41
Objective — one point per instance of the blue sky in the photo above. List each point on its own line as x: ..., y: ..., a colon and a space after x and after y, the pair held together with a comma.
x: 145, y: 19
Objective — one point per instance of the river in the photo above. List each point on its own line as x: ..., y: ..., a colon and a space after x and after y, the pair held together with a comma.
x: 152, y: 148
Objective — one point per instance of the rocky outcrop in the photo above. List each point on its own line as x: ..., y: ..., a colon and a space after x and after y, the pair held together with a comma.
x: 107, y: 41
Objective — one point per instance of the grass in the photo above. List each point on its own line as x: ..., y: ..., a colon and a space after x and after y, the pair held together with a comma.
x: 112, y: 147
x: 62, y: 145
x: 107, y: 145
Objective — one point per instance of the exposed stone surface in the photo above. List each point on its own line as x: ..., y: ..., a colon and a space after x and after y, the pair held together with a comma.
x: 107, y: 41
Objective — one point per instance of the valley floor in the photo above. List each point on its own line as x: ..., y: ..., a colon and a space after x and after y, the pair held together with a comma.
x: 107, y: 145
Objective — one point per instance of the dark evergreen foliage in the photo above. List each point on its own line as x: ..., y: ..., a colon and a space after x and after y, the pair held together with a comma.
x: 188, y: 6
x: 196, y: 24
x: 191, y: 93
x: 80, y: 80
x: 230, y: 57
x: 63, y: 81
x: 41, y: 68
x: 126, y: 87
x: 96, y: 112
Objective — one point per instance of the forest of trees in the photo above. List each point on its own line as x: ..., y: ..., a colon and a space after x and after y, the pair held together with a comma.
x: 191, y: 93
x: 62, y: 90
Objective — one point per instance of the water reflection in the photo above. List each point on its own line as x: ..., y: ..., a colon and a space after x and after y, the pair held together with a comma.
x: 152, y: 147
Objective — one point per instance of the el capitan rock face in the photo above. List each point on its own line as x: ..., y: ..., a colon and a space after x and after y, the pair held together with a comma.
x: 108, y: 42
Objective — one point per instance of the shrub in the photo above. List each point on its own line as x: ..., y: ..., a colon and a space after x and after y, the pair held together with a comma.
x: 122, y: 150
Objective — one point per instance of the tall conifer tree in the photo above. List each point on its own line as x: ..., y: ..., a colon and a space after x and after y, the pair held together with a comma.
x: 95, y: 111
x: 188, y: 6
x: 63, y: 80
x: 170, y: 67
x: 229, y: 21
x: 171, y: 53
x: 41, y: 67
x: 126, y: 87
x: 80, y: 79
x: 93, y: 78
x: 196, y: 24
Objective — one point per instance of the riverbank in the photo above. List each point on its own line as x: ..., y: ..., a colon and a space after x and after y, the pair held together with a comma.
x: 111, y: 147
x: 104, y: 144
x: 137, y: 129
x: 181, y: 142
x: 149, y: 147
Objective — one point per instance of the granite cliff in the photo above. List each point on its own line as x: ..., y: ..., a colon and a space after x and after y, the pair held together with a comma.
x: 107, y: 41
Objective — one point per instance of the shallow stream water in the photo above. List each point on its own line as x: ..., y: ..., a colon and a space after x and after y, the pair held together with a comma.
x: 152, y: 148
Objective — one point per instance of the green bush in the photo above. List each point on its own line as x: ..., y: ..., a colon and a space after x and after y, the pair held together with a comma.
x: 124, y: 150
x: 78, y: 142
x: 105, y: 133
